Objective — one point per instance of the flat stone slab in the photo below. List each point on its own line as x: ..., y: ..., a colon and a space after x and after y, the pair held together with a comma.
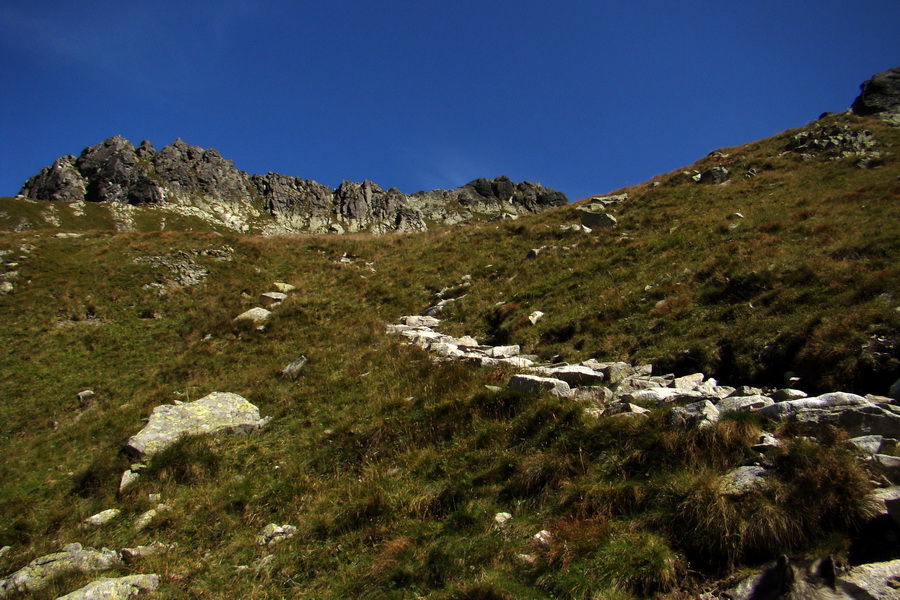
x: 219, y: 412
x: 535, y: 384
x: 270, y: 299
x: 115, y: 588
x: 39, y: 573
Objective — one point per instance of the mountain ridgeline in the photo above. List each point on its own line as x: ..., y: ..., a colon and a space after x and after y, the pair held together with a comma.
x: 203, y: 183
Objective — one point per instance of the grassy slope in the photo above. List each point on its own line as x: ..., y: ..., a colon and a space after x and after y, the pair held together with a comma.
x: 393, y: 467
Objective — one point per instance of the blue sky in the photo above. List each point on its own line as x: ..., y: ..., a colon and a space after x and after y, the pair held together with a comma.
x: 584, y: 97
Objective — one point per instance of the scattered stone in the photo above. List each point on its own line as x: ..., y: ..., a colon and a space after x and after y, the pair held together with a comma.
x: 284, y: 288
x: 746, y: 390
x: 272, y: 534
x: 115, y: 588
x: 130, y: 555
x: 535, y: 252
x: 293, y: 370
x: 503, y: 351
x: 6, y: 287
x: 128, y: 479
x: 714, y: 175
x: 420, y: 321
x: 575, y: 375
x: 101, y: 518
x: 743, y: 480
x: 888, y: 502
x: 144, y: 520
x: 542, y: 537
x: 272, y: 299
x: 868, y: 419
x: 535, y: 317
x: 766, y: 443
x: 698, y: 414
x: 888, y: 465
x: 84, y: 396
x: 744, y: 403
x: 501, y: 519
x: 37, y: 574
x: 535, y: 385
x: 596, y: 219
x: 688, y: 382
x: 868, y: 444
x: 257, y: 316
x: 785, y: 409
x: 621, y: 408
x: 788, y: 394
x: 880, y: 581
x: 219, y: 412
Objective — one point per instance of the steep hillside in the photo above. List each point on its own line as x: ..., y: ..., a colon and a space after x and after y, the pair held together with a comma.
x: 770, y: 264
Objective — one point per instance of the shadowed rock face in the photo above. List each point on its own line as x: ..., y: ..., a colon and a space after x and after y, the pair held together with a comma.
x: 180, y: 175
x: 880, y: 96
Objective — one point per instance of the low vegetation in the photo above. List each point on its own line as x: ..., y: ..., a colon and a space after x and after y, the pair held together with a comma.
x: 392, y: 466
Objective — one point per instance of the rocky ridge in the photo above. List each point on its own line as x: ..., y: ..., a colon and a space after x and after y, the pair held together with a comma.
x: 199, y: 182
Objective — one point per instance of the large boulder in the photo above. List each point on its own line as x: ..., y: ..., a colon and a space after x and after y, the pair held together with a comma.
x: 219, y: 412
x: 789, y: 408
x: 880, y: 96
x: 40, y: 572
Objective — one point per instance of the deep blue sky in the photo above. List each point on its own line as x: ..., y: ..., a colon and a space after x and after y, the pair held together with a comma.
x: 584, y: 97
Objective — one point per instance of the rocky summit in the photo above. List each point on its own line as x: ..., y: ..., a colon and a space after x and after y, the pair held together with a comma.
x: 201, y: 183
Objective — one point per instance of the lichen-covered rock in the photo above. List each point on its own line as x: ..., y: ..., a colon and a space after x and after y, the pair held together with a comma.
x: 697, y: 414
x: 41, y: 571
x: 101, y: 518
x: 115, y: 588
x: 743, y: 480
x: 219, y: 412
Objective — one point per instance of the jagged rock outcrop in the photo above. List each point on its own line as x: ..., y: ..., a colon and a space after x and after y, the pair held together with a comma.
x: 880, y: 96
x: 199, y: 182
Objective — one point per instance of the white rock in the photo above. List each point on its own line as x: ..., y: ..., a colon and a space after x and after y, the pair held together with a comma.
x: 543, y: 537
x: 868, y: 444
x: 576, y: 375
x: 880, y: 581
x: 535, y: 384
x: 698, y: 414
x: 688, y: 382
x: 284, y: 288
x: 115, y: 588
x: 535, y: 317
x: 788, y: 394
x: 503, y: 351
x: 272, y: 534
x: 657, y: 395
x: 743, y: 480
x: 271, y: 299
x: 128, y: 479
x: 219, y: 412
x: 781, y: 410
x: 744, y: 403
x: 101, y: 518
x: 501, y: 518
x: 257, y: 316
x: 420, y: 321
